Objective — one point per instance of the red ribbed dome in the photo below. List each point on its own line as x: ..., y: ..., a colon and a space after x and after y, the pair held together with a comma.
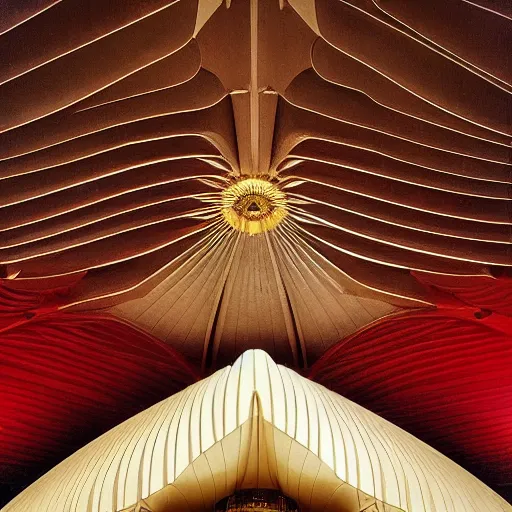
x: 65, y: 379
x: 444, y: 377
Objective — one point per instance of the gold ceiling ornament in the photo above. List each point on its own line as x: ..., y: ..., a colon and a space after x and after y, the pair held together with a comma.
x: 253, y: 205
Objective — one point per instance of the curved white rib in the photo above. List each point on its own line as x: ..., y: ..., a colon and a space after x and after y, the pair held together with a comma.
x: 150, y: 451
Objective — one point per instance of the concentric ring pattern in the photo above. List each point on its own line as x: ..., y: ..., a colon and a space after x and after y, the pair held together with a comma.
x: 386, y: 125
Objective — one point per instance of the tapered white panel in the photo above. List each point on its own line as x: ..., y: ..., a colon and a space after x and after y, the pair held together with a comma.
x: 149, y: 457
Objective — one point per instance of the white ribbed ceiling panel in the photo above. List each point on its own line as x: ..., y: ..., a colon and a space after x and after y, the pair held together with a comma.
x: 151, y: 450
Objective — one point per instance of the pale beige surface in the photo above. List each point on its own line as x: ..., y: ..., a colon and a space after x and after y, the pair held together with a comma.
x: 271, y: 291
x: 257, y: 455
x: 276, y: 428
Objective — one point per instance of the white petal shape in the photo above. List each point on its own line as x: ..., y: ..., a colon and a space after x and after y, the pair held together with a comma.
x: 257, y: 424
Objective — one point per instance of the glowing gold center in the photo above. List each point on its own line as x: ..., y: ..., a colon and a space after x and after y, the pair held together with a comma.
x: 253, y: 205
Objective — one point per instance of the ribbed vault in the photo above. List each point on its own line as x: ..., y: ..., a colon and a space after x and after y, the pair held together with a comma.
x: 257, y: 425
x: 65, y: 379
x: 443, y: 376
x: 123, y: 123
x: 254, y: 457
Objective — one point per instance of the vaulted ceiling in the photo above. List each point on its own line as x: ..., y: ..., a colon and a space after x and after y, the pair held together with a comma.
x: 384, y: 124
x: 257, y: 424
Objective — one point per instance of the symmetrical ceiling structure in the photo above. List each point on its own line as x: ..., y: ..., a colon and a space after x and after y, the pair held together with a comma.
x: 327, y: 180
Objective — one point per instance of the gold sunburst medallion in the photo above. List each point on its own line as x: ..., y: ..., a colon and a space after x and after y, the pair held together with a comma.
x: 253, y: 205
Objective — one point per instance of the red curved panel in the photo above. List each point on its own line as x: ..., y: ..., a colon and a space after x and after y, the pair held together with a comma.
x: 445, y: 377
x: 39, y: 297
x: 486, y: 292
x: 66, y: 378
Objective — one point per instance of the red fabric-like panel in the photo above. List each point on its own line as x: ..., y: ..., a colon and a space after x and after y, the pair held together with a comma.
x: 39, y: 297
x: 485, y: 292
x: 445, y: 378
x: 66, y: 378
